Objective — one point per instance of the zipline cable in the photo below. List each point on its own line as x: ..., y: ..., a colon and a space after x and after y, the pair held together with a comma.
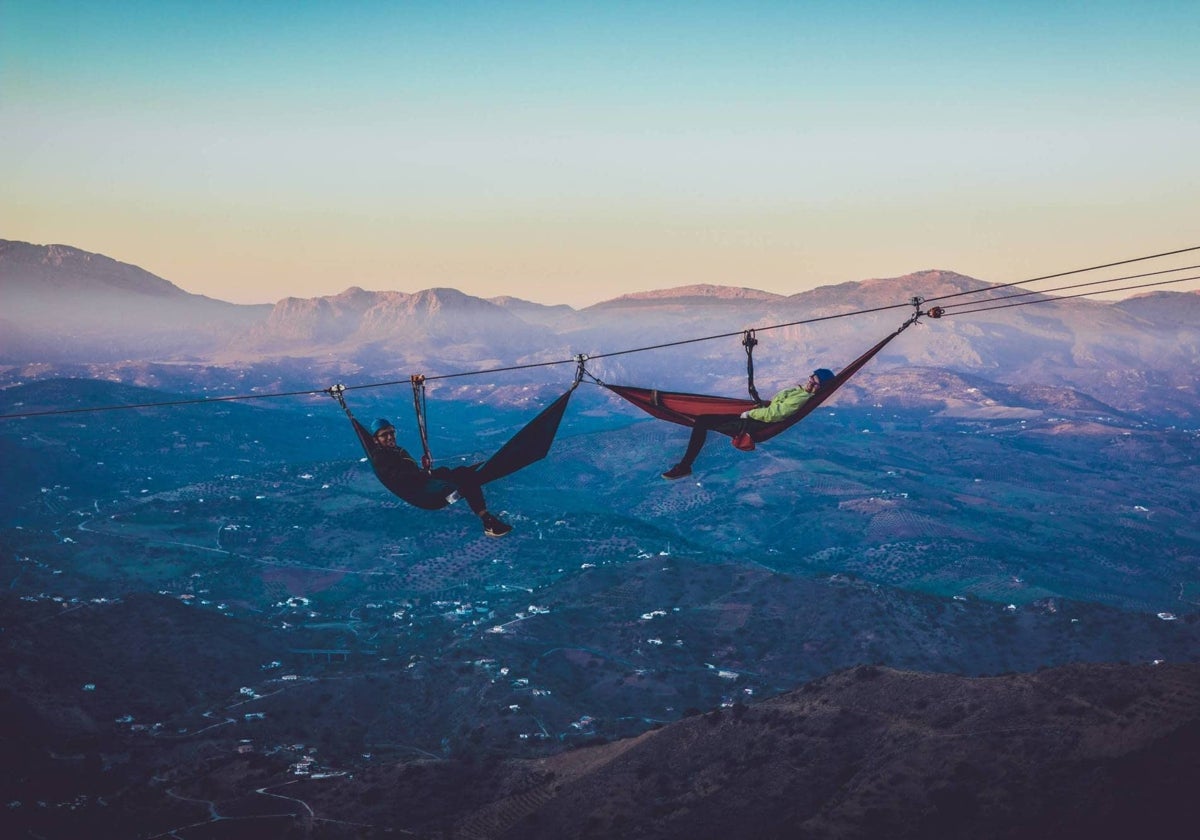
x: 682, y: 342
x: 1065, y: 273
x: 1064, y: 297
x: 1080, y: 286
x: 756, y: 329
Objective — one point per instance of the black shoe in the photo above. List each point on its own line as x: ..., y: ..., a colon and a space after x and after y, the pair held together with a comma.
x: 677, y: 471
x: 493, y: 527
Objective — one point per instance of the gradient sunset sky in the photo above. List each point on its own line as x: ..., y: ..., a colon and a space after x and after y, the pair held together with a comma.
x: 569, y: 152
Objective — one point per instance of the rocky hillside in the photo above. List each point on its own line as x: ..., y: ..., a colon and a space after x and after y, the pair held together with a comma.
x: 1084, y: 751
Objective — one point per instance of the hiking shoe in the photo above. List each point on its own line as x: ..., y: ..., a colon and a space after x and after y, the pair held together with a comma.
x: 493, y: 527
x: 677, y: 471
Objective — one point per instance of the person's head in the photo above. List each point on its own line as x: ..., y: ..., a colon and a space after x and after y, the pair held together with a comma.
x: 819, y: 379
x: 384, y: 432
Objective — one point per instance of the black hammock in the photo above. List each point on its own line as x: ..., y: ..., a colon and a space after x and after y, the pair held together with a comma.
x: 683, y: 408
x: 428, y: 488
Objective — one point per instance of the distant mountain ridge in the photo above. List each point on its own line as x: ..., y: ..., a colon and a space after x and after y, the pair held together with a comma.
x: 698, y: 293
x: 355, y: 318
x: 63, y: 268
x: 66, y: 306
x: 63, y: 304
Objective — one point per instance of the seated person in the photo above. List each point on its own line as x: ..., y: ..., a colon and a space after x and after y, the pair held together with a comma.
x: 399, y: 472
x: 784, y: 404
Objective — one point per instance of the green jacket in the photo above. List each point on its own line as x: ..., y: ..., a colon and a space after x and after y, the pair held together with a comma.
x: 784, y: 404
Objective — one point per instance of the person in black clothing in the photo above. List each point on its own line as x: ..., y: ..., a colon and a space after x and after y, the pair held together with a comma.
x: 400, y: 473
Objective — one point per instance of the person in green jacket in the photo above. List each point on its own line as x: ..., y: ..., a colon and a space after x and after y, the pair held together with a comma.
x: 784, y: 404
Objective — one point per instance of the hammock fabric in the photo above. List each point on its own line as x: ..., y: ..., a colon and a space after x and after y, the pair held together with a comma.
x: 530, y: 444
x: 683, y: 408
x: 428, y: 489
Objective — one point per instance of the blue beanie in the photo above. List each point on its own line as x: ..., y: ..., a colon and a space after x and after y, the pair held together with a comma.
x: 381, y: 424
x: 823, y: 375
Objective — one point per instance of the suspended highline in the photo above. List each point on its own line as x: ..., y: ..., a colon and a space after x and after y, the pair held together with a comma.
x: 942, y: 310
x: 1073, y: 271
x: 1001, y: 304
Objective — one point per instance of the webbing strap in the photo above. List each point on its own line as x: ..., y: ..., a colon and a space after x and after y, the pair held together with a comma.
x: 749, y: 342
x: 418, y: 386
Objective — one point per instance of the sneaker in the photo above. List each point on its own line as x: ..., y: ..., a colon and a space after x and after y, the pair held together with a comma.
x: 493, y: 527
x: 677, y: 471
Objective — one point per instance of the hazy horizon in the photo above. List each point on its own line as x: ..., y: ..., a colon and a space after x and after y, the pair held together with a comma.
x: 570, y: 153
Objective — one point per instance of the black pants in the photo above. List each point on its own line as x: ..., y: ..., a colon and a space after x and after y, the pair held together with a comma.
x: 466, y: 481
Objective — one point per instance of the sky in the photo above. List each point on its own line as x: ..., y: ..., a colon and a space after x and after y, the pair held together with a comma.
x: 570, y: 152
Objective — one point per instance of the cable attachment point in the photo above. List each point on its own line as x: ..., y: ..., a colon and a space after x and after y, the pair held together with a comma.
x: 336, y: 392
x: 916, y: 301
x: 580, y: 370
x: 936, y: 312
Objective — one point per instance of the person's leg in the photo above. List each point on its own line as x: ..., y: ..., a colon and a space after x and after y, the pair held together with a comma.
x: 695, y: 443
x: 466, y: 484
x: 467, y: 481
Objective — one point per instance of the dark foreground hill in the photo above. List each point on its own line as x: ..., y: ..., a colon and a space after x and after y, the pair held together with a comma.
x: 882, y: 753
x: 1080, y: 751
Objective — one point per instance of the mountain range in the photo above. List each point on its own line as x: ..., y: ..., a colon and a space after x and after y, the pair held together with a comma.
x: 70, y: 312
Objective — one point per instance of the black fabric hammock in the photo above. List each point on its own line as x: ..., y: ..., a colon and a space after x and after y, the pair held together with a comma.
x: 529, y: 445
x: 683, y: 408
x: 426, y: 487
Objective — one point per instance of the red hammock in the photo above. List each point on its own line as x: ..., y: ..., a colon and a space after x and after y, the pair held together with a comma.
x: 684, y: 408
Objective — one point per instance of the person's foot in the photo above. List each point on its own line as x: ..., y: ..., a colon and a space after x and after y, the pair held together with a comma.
x: 493, y: 526
x: 677, y: 471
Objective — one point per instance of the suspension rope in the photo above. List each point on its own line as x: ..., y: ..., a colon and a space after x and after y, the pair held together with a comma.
x: 418, y: 388
x: 1080, y: 286
x: 750, y: 342
x: 936, y: 312
x: 1066, y: 273
x: 1060, y: 297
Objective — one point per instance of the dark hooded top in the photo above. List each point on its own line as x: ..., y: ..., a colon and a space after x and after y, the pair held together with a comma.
x: 400, y: 473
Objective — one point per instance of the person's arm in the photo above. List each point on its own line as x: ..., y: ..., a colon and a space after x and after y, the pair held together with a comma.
x: 784, y: 404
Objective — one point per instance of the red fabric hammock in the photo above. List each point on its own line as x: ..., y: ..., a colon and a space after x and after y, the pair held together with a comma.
x: 683, y: 408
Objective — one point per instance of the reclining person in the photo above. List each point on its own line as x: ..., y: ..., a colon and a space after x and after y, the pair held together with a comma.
x: 784, y: 404
x: 399, y: 472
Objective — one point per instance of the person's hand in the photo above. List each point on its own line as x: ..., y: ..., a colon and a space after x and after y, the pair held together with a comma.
x: 745, y: 415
